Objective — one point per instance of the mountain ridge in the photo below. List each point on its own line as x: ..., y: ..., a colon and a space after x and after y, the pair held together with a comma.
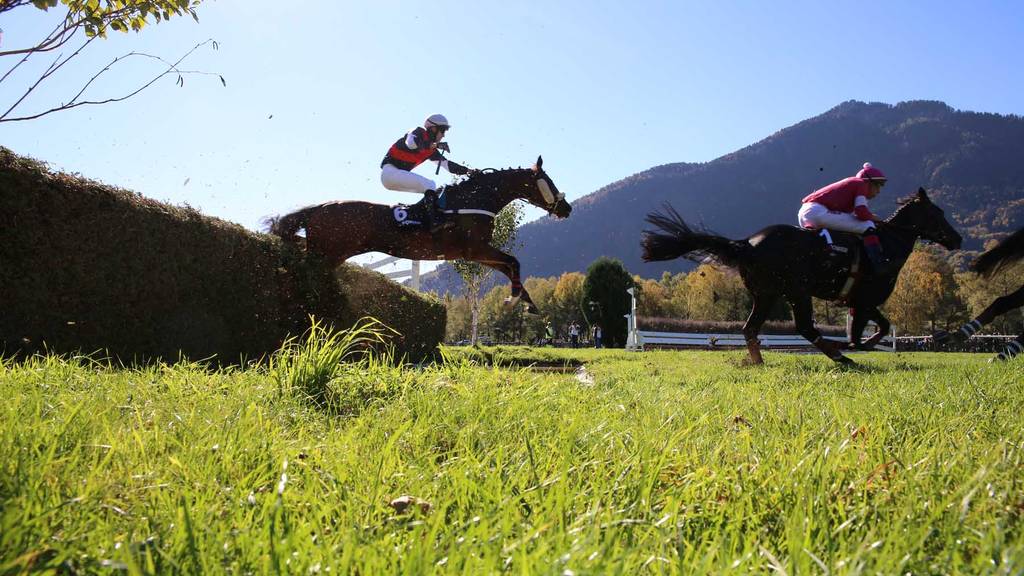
x: 969, y: 161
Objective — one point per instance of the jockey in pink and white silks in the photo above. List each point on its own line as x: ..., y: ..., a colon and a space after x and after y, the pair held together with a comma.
x: 408, y: 152
x: 843, y: 205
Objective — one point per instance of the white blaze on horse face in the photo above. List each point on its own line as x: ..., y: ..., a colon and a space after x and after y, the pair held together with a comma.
x: 545, y: 191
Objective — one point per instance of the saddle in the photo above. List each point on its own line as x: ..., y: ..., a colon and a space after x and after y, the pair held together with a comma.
x: 843, y: 262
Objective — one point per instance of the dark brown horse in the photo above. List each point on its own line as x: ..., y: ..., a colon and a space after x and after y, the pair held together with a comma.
x: 339, y: 230
x: 796, y: 264
x: 1002, y: 255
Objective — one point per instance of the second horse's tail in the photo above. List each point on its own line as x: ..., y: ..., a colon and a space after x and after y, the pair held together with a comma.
x: 674, y: 238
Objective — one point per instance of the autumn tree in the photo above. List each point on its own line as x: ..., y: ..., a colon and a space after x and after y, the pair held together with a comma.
x: 83, y: 22
x: 925, y: 297
x: 566, y: 300
x: 715, y: 293
x: 542, y: 290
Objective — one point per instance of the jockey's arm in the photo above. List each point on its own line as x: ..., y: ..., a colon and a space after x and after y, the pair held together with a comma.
x: 861, y: 211
x: 417, y: 139
x: 452, y: 167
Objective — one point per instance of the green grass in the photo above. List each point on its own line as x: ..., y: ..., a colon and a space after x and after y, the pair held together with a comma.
x: 670, y: 462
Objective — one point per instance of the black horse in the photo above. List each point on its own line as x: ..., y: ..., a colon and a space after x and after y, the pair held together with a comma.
x: 1010, y: 250
x: 796, y: 264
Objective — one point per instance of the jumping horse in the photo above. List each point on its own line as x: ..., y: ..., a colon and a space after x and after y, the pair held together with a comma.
x: 1002, y: 255
x: 339, y: 230
x: 797, y: 264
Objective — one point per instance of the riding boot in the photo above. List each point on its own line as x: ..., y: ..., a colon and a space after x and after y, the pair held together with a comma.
x: 873, y: 248
x: 434, y: 218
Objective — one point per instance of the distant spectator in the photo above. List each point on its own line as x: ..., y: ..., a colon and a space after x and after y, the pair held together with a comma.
x: 549, y: 334
x: 597, y: 335
x: 574, y: 335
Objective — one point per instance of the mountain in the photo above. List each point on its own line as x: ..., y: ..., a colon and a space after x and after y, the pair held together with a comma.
x: 971, y: 163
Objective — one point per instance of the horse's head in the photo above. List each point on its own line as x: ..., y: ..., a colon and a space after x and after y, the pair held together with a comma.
x: 928, y: 220
x: 544, y: 194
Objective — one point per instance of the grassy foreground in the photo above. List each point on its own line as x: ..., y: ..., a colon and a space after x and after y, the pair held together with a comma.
x: 667, y: 462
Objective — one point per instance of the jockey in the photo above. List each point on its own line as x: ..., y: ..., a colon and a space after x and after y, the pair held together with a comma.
x: 843, y: 205
x: 410, y: 151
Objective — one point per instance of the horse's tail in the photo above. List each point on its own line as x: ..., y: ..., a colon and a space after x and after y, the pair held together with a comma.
x: 1008, y: 251
x: 674, y: 238
x: 287, y: 226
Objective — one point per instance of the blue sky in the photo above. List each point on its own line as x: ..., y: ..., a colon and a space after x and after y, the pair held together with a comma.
x: 316, y: 93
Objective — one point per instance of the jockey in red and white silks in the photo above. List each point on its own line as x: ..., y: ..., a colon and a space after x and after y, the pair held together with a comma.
x: 416, y: 147
x: 843, y: 205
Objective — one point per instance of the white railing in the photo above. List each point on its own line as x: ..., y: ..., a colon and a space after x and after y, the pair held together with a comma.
x: 686, y: 339
x: 413, y: 273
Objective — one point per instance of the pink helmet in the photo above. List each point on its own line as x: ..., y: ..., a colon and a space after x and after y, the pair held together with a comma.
x: 869, y: 172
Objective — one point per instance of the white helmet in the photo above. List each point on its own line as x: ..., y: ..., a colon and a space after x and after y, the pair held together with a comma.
x: 436, y: 120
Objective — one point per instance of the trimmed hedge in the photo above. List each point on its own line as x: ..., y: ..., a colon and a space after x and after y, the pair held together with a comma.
x: 87, y: 267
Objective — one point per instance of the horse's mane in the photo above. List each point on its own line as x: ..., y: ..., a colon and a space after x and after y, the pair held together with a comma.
x: 481, y: 179
x: 1008, y: 251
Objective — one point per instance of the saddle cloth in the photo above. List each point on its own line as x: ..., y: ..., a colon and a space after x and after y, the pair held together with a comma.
x: 842, y: 267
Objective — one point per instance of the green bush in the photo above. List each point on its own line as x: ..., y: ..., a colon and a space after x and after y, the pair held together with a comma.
x: 89, y: 267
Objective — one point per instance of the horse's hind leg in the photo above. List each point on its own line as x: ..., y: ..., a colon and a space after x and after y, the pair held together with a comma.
x: 1002, y: 305
x: 997, y: 308
x: 803, y: 316
x: 758, y: 314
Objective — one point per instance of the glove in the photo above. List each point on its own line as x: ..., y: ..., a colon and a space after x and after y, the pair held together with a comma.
x: 443, y: 146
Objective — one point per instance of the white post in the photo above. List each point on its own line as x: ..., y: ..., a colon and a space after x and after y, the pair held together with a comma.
x: 634, y: 342
x: 415, y: 271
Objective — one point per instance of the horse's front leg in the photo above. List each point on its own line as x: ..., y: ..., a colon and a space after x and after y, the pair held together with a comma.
x: 506, y: 264
x: 855, y: 325
x: 883, y: 329
x: 803, y: 316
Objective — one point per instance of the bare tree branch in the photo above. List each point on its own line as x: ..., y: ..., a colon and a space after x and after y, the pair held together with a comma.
x: 172, y: 68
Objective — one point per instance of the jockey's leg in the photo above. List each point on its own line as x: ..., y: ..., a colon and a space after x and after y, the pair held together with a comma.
x: 813, y: 215
x: 404, y: 181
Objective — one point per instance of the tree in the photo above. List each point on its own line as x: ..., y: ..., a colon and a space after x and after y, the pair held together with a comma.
x: 542, y: 290
x: 925, y: 296
x: 92, y: 19
x: 565, y: 306
x: 473, y: 273
x: 459, y: 321
x: 606, y: 300
x: 714, y: 293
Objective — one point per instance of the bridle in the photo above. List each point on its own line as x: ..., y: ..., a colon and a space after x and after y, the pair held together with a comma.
x: 550, y: 197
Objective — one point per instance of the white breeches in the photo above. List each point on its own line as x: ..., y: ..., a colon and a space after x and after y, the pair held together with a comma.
x: 404, y: 181
x: 817, y: 216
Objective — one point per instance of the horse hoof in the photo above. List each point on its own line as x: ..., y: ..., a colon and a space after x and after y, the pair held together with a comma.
x: 531, y: 309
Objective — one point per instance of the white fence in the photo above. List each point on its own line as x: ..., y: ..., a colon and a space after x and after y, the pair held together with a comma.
x: 684, y: 339
x: 413, y: 273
